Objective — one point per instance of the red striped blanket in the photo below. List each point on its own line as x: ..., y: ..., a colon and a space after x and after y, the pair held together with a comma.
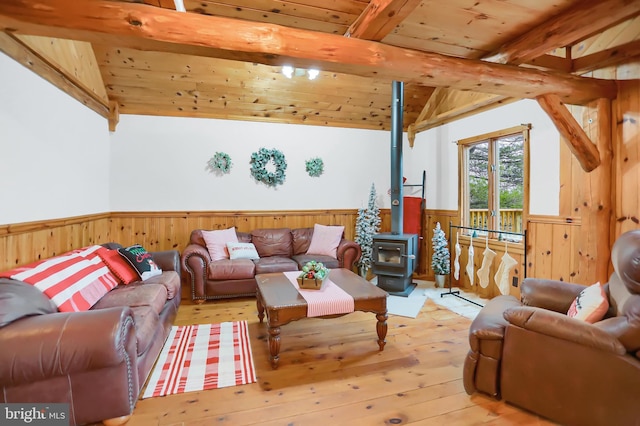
x: 74, y: 281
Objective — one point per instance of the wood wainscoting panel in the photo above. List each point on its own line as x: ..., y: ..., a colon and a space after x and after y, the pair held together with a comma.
x: 554, y: 249
x: 23, y: 243
x: 171, y: 230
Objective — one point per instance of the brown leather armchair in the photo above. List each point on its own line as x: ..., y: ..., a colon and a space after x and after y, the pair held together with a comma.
x: 531, y: 354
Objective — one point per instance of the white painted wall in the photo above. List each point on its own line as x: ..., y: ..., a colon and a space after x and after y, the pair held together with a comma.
x: 59, y: 160
x: 436, y: 152
x: 160, y: 163
x: 54, y: 151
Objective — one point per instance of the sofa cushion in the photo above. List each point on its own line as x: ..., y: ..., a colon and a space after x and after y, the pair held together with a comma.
x: 325, y: 240
x: 272, y: 242
x: 136, y: 294
x: 227, y: 269
x: 147, y: 323
x: 216, y: 242
x: 301, y: 240
x: 275, y: 264
x: 119, y: 266
x: 19, y: 300
x: 170, y: 280
x: 140, y: 260
x: 328, y: 261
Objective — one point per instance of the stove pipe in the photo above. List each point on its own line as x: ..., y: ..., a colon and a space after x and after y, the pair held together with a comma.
x: 397, y: 103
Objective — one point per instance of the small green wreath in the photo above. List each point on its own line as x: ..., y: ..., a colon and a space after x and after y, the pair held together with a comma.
x: 315, y: 166
x: 220, y: 163
x: 259, y: 161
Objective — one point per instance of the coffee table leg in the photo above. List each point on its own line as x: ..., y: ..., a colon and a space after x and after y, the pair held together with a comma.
x: 274, y: 346
x: 381, y: 328
x: 260, y: 306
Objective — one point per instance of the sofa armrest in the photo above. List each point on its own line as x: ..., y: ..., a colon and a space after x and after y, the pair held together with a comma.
x: 553, y: 295
x: 168, y: 260
x: 195, y: 259
x: 348, y: 253
x: 44, y: 346
x: 560, y: 326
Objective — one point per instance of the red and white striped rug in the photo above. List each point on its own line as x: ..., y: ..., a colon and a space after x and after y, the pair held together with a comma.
x: 201, y: 357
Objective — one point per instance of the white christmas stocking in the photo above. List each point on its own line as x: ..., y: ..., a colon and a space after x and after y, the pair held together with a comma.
x: 483, y: 272
x: 456, y: 262
x: 504, y: 270
x: 469, y: 268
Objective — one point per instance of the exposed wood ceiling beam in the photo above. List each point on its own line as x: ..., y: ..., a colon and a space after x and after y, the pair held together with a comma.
x: 606, y: 58
x: 141, y: 26
x: 579, y: 143
x: 431, y: 120
x: 430, y: 106
x: 114, y: 115
x: 380, y: 17
x: 23, y: 54
x: 577, y: 23
x: 556, y: 63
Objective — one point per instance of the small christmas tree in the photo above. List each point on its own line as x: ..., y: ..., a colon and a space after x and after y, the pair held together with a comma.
x: 440, y: 259
x: 367, y: 225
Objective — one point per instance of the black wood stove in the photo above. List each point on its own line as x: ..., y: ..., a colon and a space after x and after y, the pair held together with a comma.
x: 394, y: 253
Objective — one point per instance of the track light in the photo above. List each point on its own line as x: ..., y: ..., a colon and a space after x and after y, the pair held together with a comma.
x: 287, y: 71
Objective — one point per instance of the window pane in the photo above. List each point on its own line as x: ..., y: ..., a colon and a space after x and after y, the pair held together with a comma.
x: 478, y: 185
x: 511, y: 182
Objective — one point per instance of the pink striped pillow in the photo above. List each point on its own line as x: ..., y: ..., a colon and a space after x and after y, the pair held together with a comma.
x: 74, y: 281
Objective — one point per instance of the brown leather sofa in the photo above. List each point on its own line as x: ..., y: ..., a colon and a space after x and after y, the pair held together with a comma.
x: 532, y: 355
x: 98, y: 360
x: 280, y: 250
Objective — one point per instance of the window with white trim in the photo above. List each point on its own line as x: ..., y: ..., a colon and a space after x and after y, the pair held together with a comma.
x: 494, y: 181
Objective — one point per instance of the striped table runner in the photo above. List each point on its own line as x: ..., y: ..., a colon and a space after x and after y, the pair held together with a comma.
x: 329, y: 300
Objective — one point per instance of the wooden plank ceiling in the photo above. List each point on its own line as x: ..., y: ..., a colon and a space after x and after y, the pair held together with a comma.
x: 223, y: 59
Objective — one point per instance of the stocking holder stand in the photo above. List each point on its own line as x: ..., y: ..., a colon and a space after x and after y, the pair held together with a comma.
x: 456, y: 293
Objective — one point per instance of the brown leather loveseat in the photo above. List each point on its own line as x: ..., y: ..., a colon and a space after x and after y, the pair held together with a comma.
x: 532, y: 355
x: 97, y: 360
x: 279, y: 249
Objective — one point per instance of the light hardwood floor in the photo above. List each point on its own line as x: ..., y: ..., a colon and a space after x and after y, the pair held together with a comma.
x: 331, y: 373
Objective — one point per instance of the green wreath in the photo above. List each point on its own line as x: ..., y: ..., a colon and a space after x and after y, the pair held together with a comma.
x: 220, y: 163
x: 315, y: 166
x: 259, y: 161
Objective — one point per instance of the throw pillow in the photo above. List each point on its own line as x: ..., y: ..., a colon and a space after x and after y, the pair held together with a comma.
x: 217, y: 242
x: 119, y: 266
x: 325, y: 240
x: 140, y: 260
x: 242, y: 251
x: 590, y: 305
x: 19, y: 300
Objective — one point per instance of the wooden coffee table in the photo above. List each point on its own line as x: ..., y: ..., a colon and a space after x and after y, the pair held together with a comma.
x: 283, y: 304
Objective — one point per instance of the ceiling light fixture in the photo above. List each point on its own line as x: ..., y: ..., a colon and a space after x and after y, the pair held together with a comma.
x: 313, y: 74
x: 289, y: 72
